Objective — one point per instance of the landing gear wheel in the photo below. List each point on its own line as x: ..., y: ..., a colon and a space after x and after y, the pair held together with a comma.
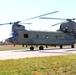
x: 61, y: 46
x: 41, y: 48
x: 72, y: 46
x: 31, y: 48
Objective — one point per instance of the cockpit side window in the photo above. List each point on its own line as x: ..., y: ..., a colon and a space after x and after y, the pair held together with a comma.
x: 14, y: 34
x: 25, y: 35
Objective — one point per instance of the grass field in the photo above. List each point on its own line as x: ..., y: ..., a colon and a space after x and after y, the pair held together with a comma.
x: 11, y: 47
x: 54, y: 65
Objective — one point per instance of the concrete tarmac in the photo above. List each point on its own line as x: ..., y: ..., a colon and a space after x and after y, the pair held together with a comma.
x: 17, y: 54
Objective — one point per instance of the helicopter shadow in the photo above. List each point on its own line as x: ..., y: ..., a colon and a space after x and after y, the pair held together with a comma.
x: 27, y: 50
x: 58, y: 50
x: 49, y: 50
x: 36, y: 49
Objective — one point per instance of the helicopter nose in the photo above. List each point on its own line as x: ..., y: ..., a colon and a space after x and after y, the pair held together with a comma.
x: 9, y: 39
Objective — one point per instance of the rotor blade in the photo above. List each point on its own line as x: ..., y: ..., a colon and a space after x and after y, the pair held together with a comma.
x: 58, y: 23
x: 41, y: 15
x: 52, y: 18
x: 26, y: 23
x: 29, y: 18
x: 5, y: 23
x: 74, y: 18
x: 58, y: 18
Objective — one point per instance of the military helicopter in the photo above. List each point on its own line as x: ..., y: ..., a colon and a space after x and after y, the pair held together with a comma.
x: 66, y: 35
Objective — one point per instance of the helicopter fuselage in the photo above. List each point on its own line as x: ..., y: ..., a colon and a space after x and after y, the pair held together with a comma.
x: 25, y: 37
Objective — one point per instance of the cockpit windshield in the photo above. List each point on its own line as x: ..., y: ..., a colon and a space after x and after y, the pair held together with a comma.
x: 14, y: 34
x: 11, y: 34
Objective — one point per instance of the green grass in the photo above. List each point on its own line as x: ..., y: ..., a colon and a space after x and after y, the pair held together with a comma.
x: 53, y: 65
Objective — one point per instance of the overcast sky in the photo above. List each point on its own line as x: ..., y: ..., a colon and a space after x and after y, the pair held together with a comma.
x: 19, y: 10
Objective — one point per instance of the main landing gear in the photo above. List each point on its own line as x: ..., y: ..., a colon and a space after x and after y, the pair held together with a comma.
x: 41, y: 47
x: 72, y: 46
x: 61, y: 46
x: 31, y: 48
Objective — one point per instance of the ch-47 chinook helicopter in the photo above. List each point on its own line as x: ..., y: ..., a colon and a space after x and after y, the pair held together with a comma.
x: 66, y: 35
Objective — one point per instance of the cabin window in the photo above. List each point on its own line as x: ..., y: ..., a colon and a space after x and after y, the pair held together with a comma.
x: 25, y: 35
x: 37, y: 36
x: 47, y: 36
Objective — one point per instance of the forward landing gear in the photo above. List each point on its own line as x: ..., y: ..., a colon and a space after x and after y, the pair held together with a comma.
x: 41, y: 47
x: 31, y: 48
